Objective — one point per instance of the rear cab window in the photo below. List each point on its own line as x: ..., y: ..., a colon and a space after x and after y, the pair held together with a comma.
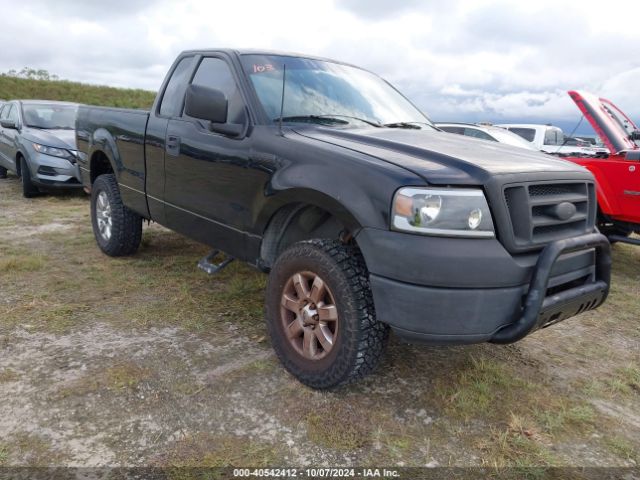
x: 553, y: 136
x: 529, y: 134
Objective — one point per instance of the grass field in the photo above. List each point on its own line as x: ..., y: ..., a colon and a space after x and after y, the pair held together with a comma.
x: 23, y: 88
x: 148, y: 361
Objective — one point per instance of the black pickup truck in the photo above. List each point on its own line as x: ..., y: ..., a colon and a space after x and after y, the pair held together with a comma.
x: 365, y: 215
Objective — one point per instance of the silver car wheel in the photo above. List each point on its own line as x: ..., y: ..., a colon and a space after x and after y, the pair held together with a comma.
x: 103, y: 215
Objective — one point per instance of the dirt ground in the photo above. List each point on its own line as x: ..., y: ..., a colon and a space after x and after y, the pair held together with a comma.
x: 148, y: 361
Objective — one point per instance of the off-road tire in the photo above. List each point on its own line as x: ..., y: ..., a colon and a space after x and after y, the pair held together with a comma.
x: 361, y: 339
x: 29, y: 190
x: 126, y: 230
x: 3, y: 172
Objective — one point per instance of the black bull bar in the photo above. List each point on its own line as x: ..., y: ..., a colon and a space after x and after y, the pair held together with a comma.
x: 541, y: 310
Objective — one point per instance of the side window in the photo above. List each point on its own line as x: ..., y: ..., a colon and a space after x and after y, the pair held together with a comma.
x: 174, y: 92
x: 474, y: 132
x: 13, y: 114
x: 5, y: 111
x: 215, y: 73
x: 529, y: 134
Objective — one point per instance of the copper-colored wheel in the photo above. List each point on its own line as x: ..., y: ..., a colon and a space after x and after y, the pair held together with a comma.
x: 309, y: 315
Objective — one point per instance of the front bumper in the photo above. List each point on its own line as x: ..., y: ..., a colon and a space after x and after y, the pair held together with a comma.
x: 457, y: 291
x: 48, y: 171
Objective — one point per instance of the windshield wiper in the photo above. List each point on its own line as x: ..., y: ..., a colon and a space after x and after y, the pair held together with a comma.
x: 312, y: 119
x: 369, y: 122
x: 329, y: 118
x: 408, y: 125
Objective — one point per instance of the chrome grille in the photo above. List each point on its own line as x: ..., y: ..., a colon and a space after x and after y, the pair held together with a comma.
x: 544, y: 212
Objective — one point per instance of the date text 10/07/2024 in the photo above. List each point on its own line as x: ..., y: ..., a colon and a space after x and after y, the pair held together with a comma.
x: 316, y: 473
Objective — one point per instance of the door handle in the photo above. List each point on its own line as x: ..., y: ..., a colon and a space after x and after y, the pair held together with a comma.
x: 173, y: 145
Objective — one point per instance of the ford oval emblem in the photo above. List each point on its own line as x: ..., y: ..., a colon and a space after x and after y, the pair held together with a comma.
x: 564, y: 210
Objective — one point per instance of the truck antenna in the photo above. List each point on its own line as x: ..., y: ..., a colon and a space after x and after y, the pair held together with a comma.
x: 284, y: 74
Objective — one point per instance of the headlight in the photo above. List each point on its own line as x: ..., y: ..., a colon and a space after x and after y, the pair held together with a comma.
x: 55, y: 152
x: 455, y: 212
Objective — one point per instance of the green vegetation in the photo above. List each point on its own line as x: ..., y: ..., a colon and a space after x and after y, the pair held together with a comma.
x: 8, y: 375
x: 482, y: 383
x: 28, y: 262
x: 42, y: 85
x: 335, y: 430
x: 623, y: 448
x: 34, y: 450
x: 116, y: 378
x: 208, y: 451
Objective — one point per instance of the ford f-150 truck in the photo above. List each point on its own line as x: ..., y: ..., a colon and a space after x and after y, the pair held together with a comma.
x: 365, y: 215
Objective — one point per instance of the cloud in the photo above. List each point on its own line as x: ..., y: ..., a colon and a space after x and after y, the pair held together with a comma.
x: 384, y: 9
x: 462, y: 60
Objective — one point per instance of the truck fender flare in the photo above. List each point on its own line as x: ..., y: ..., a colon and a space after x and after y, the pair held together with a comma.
x: 302, y: 197
x: 102, y: 141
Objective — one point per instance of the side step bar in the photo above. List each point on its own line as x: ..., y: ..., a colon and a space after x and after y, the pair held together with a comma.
x: 209, y: 267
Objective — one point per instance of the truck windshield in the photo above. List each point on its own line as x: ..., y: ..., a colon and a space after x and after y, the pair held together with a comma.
x: 329, y: 93
x: 49, y: 116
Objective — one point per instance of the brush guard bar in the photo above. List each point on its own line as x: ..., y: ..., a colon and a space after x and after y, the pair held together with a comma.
x: 541, y: 310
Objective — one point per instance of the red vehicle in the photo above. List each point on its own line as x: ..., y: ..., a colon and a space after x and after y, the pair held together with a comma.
x: 618, y: 174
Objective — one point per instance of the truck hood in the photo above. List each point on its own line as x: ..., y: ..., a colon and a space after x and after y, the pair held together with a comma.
x: 51, y: 138
x: 439, y: 157
x: 610, y: 123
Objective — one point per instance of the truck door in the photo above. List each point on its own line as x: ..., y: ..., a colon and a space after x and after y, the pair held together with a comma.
x: 209, y: 188
x: 169, y: 106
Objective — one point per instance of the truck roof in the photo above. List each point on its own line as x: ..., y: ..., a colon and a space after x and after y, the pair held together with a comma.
x: 253, y: 51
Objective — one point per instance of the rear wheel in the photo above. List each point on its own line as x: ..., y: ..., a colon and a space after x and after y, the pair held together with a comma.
x: 118, y: 230
x: 320, y: 314
x: 3, y: 172
x: 29, y: 190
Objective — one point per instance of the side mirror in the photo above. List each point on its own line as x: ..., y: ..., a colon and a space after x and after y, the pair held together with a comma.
x: 206, y: 104
x: 6, y: 123
x: 211, y: 105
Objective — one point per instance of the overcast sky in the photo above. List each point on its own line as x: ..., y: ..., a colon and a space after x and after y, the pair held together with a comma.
x: 458, y: 60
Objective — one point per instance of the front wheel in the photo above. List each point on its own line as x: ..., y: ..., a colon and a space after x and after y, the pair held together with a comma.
x: 118, y: 230
x: 3, y: 172
x: 320, y: 314
x: 29, y: 190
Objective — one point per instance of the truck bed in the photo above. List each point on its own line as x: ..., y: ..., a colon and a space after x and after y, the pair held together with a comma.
x: 120, y: 133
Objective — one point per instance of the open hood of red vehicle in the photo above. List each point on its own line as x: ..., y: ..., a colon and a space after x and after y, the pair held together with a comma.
x: 611, y: 124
